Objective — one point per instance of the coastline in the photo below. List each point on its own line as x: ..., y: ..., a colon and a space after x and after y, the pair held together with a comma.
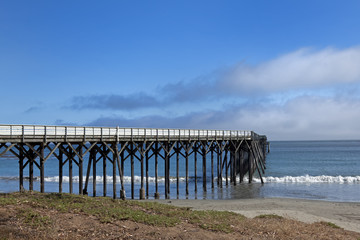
x: 344, y: 214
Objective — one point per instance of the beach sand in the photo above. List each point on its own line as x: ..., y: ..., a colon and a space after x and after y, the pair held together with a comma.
x: 344, y: 214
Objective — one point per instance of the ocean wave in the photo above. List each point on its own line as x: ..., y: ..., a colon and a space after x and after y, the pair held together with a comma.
x: 312, y: 179
x: 161, y: 179
x: 109, y: 179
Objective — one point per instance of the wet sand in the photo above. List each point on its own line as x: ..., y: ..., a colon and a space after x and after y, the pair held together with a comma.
x: 345, y: 215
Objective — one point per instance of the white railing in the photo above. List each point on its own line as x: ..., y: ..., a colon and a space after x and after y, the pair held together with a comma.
x: 88, y: 132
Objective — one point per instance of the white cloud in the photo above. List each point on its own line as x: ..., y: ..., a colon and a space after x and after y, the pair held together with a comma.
x: 301, y: 95
x: 300, y: 69
x: 302, y: 118
x: 316, y: 118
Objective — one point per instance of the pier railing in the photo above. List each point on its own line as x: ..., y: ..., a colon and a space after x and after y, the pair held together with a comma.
x: 74, y: 133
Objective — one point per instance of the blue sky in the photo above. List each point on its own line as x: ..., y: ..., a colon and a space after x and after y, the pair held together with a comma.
x: 287, y: 69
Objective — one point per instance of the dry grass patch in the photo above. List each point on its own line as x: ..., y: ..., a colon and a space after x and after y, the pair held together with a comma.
x: 34, y: 215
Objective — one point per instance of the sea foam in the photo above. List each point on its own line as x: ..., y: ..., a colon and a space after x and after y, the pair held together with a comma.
x: 161, y: 179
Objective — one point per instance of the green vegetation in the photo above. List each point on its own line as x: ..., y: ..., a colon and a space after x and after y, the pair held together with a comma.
x: 34, y: 219
x: 270, y: 216
x: 330, y: 224
x: 108, y: 210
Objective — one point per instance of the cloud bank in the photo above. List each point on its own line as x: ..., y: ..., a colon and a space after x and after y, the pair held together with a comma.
x: 305, y: 94
x: 302, y: 69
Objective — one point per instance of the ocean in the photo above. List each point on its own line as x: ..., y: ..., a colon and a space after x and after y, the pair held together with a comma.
x: 318, y: 170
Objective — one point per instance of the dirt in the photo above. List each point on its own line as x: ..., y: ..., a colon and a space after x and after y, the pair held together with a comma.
x: 62, y: 225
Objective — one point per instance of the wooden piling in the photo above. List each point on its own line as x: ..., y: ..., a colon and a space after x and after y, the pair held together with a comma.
x: 61, y: 164
x: 142, y: 189
x: 93, y: 156
x: 85, y: 190
x: 31, y: 170
x: 166, y: 168
x: 104, y: 171
x: 156, y: 149
x: 241, y: 166
x: 114, y: 170
x: 220, y: 168
x: 132, y: 170
x: 122, y: 193
x: 212, y: 166
x: 42, y: 169
x: 147, y: 169
x: 177, y: 168
x: 195, y: 165
x: 70, y: 161
x: 187, y: 168
x: 80, y: 148
x: 204, y: 167
x: 226, y: 167
x: 21, y: 167
x: 251, y: 160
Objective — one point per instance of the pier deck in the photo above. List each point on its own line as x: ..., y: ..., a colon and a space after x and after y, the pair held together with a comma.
x: 232, y: 153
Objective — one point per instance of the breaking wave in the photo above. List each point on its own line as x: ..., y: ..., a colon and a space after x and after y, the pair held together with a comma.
x: 312, y: 179
x: 161, y: 179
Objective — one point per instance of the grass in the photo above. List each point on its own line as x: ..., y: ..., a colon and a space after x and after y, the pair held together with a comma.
x: 108, y: 210
x: 273, y: 216
x: 33, y: 215
x: 34, y: 219
x: 330, y: 224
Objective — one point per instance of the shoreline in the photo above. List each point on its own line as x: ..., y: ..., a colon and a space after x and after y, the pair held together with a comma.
x: 344, y: 214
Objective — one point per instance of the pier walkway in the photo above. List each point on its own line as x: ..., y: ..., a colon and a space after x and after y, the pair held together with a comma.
x: 231, y: 154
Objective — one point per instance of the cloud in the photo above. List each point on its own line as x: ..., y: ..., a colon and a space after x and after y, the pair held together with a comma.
x: 32, y: 110
x: 304, y: 94
x: 303, y: 69
x: 305, y: 117
x: 115, y: 102
x: 298, y: 71
x: 64, y: 123
x: 198, y: 89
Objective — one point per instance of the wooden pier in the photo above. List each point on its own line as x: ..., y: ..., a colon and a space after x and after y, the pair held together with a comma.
x: 231, y: 154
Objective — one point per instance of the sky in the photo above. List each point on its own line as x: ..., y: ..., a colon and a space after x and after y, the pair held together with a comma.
x: 286, y: 69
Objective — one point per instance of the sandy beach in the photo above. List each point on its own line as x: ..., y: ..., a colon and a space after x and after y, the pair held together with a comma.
x: 344, y: 214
